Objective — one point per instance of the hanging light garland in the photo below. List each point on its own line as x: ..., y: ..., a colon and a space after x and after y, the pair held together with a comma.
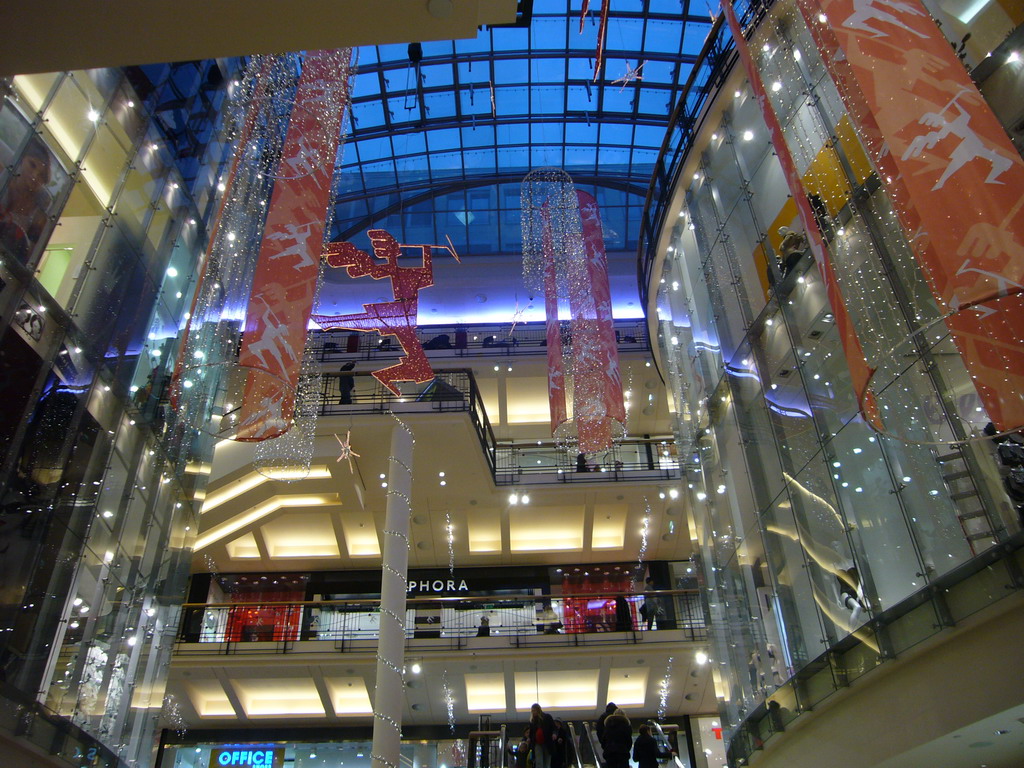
x: 563, y: 258
x: 289, y: 457
x: 663, y: 689
x: 449, y: 701
x: 450, y: 532
x: 172, y: 715
x: 644, y: 536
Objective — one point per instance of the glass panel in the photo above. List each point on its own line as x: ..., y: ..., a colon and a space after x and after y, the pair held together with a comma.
x: 68, y: 118
x: 116, y: 298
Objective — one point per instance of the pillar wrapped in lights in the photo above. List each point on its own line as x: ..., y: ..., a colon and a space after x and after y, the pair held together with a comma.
x: 564, y: 258
x: 389, y: 695
x: 935, y: 143
x: 241, y: 361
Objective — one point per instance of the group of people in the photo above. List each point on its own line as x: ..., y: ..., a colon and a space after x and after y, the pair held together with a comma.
x: 547, y: 742
x: 615, y: 733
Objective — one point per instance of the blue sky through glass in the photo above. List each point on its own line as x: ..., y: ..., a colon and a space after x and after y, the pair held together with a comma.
x: 440, y: 149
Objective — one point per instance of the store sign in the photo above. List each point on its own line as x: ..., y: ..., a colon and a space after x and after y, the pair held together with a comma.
x: 249, y: 758
x: 438, y: 585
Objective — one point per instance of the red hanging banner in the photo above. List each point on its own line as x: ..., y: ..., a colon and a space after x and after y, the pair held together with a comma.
x: 860, y: 372
x: 281, y: 299
x: 597, y: 273
x: 954, y: 177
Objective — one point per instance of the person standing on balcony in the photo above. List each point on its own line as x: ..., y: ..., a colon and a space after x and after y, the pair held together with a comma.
x: 346, y: 383
x: 652, y: 608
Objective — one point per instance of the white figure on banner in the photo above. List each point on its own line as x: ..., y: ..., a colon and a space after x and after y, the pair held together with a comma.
x: 267, y: 419
x: 274, y: 340
x: 971, y: 146
x: 865, y: 11
x: 298, y: 234
x: 1007, y: 287
x: 304, y: 160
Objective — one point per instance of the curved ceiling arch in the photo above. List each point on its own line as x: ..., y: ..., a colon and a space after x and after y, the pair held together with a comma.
x: 442, y: 133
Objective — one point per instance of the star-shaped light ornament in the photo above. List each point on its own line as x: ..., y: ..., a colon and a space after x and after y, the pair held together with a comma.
x: 346, y: 450
x: 631, y: 75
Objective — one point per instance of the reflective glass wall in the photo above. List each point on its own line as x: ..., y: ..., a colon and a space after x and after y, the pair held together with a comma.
x: 100, y: 239
x: 810, y: 522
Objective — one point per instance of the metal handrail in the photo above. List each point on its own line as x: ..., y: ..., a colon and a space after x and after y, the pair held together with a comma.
x: 596, y: 748
x: 455, y: 390
x: 453, y: 620
x: 485, y: 340
x: 575, y: 744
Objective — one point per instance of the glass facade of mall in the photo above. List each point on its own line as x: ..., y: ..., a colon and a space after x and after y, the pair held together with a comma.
x: 811, y: 523
x: 102, y: 234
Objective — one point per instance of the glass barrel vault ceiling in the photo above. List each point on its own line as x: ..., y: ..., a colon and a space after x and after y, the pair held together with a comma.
x: 439, y: 149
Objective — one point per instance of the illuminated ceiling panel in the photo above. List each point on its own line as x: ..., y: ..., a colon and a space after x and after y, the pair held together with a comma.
x: 485, y: 692
x: 279, y: 698
x: 208, y: 699
x: 557, y: 689
x: 609, y: 526
x: 250, y: 516
x: 628, y: 687
x: 349, y: 696
x: 543, y: 529
x: 484, y: 531
x: 243, y: 548
x: 360, y: 534
x: 300, y: 535
x: 530, y: 404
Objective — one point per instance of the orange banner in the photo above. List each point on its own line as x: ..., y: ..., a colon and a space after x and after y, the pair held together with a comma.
x: 281, y: 299
x: 860, y: 372
x: 597, y: 274
x: 953, y: 175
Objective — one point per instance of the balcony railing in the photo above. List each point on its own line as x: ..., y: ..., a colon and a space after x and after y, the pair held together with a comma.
x: 539, y: 462
x: 440, y: 623
x: 945, y: 602
x: 534, y: 462
x: 456, y: 341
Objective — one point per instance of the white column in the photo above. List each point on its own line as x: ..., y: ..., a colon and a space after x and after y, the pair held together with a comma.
x: 388, y: 699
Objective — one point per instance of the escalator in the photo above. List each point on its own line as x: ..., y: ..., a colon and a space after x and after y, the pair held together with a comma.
x: 487, y: 747
x: 587, y: 748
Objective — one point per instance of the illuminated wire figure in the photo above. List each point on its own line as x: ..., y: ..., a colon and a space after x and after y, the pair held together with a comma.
x: 346, y: 451
x: 633, y: 74
x: 393, y: 318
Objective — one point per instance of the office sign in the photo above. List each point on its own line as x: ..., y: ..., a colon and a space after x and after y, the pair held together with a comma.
x: 247, y: 757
